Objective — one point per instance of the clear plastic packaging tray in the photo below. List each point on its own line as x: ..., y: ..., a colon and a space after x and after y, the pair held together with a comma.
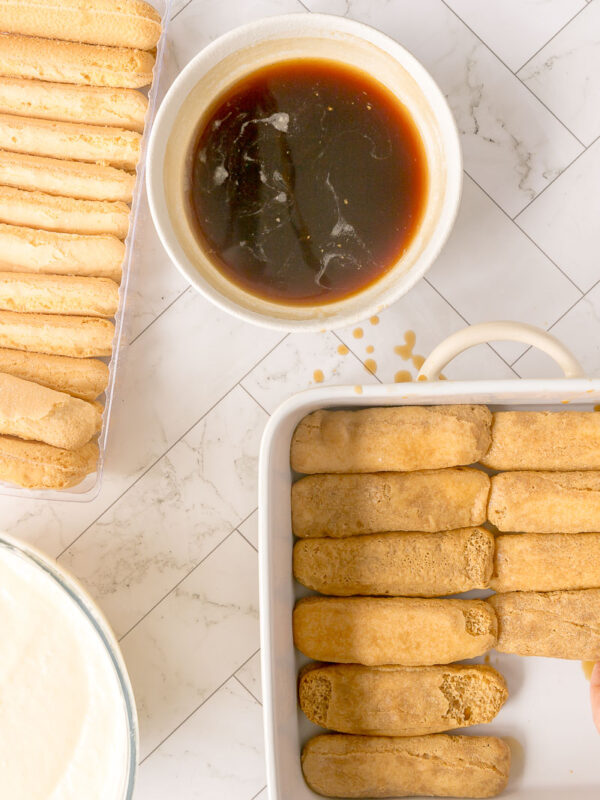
x: 90, y: 486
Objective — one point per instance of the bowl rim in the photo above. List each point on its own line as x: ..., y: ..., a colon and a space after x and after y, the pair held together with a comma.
x: 286, y: 26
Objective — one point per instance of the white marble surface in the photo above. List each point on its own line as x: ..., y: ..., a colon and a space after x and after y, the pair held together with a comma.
x: 169, y: 546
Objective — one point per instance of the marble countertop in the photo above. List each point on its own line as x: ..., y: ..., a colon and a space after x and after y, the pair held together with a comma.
x: 169, y: 547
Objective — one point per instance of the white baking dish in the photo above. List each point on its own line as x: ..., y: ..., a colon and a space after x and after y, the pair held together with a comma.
x: 547, y: 720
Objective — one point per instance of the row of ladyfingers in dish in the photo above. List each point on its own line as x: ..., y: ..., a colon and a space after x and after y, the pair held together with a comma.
x: 410, y: 438
x: 446, y: 499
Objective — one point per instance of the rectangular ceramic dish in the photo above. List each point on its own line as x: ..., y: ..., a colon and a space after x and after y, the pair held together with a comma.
x: 90, y: 486
x: 547, y: 718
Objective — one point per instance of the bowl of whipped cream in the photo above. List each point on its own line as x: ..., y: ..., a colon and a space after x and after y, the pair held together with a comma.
x: 68, y: 727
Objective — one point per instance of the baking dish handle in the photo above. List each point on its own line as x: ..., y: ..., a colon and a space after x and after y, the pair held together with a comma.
x: 499, y: 332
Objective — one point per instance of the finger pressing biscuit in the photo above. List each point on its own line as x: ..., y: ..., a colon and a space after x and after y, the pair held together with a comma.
x: 393, y: 630
x: 394, y: 439
x: 65, y: 102
x: 34, y: 465
x: 81, y: 377
x: 71, y: 62
x: 336, y: 765
x: 63, y: 214
x: 55, y: 334
x: 46, y: 252
x: 400, y: 701
x: 58, y: 294
x: 70, y: 140
x: 128, y: 23
x: 31, y: 411
x: 432, y: 500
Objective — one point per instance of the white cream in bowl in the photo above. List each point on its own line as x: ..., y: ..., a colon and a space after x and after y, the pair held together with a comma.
x: 64, y: 731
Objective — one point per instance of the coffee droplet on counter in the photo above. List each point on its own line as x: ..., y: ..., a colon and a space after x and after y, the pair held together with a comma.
x: 403, y: 376
x: 343, y: 350
x: 588, y: 668
x: 370, y: 348
x: 371, y: 365
x: 405, y: 350
x: 318, y: 376
x: 374, y: 320
x: 358, y: 389
x: 357, y: 333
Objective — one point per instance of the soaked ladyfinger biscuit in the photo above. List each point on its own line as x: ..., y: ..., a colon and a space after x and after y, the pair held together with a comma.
x: 394, y: 439
x: 401, y: 564
x: 65, y: 102
x: 336, y: 765
x: 70, y: 140
x: 544, y: 440
x: 58, y: 294
x: 393, y: 630
x: 34, y: 465
x: 545, y: 502
x: 57, y: 334
x: 72, y: 62
x: 126, y: 23
x: 86, y: 378
x: 431, y: 500
x: 49, y: 253
x: 63, y: 214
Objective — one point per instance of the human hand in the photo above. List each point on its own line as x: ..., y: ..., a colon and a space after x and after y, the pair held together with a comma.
x: 595, y: 695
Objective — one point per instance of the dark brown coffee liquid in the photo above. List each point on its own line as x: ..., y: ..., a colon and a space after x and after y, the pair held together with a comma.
x: 309, y: 181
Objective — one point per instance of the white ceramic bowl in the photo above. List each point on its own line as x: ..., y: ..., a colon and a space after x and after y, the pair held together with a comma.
x: 251, y: 47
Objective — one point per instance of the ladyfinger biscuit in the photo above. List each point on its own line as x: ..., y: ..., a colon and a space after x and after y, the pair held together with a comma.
x: 33, y: 412
x: 545, y: 502
x: 344, y: 505
x: 63, y: 214
x: 65, y: 102
x: 127, y: 23
x: 544, y: 440
x: 34, y: 465
x: 70, y: 62
x: 81, y: 377
x: 400, y: 701
x: 409, y: 564
x: 70, y: 140
x: 335, y: 765
x: 56, y: 334
x: 393, y: 630
x: 45, y: 252
x: 550, y: 624
x: 56, y: 176
x: 58, y: 294
x: 546, y: 562
x: 394, y: 439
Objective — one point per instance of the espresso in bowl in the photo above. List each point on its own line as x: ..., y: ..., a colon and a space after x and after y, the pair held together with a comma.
x: 304, y: 172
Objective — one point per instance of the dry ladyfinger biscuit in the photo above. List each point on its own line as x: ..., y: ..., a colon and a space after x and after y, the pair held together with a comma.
x: 544, y: 440
x: 65, y: 102
x: 546, y: 562
x: 57, y: 176
x: 551, y: 624
x: 432, y: 500
x: 58, y: 294
x: 393, y: 630
x: 409, y: 564
x: 56, y: 334
x: 70, y: 62
x: 394, y: 439
x: 400, y: 701
x: 70, y: 140
x: 336, y: 765
x: 545, y: 502
x: 34, y: 412
x: 46, y: 252
x: 63, y: 214
x: 34, y: 465
x: 82, y: 377
x: 128, y: 23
